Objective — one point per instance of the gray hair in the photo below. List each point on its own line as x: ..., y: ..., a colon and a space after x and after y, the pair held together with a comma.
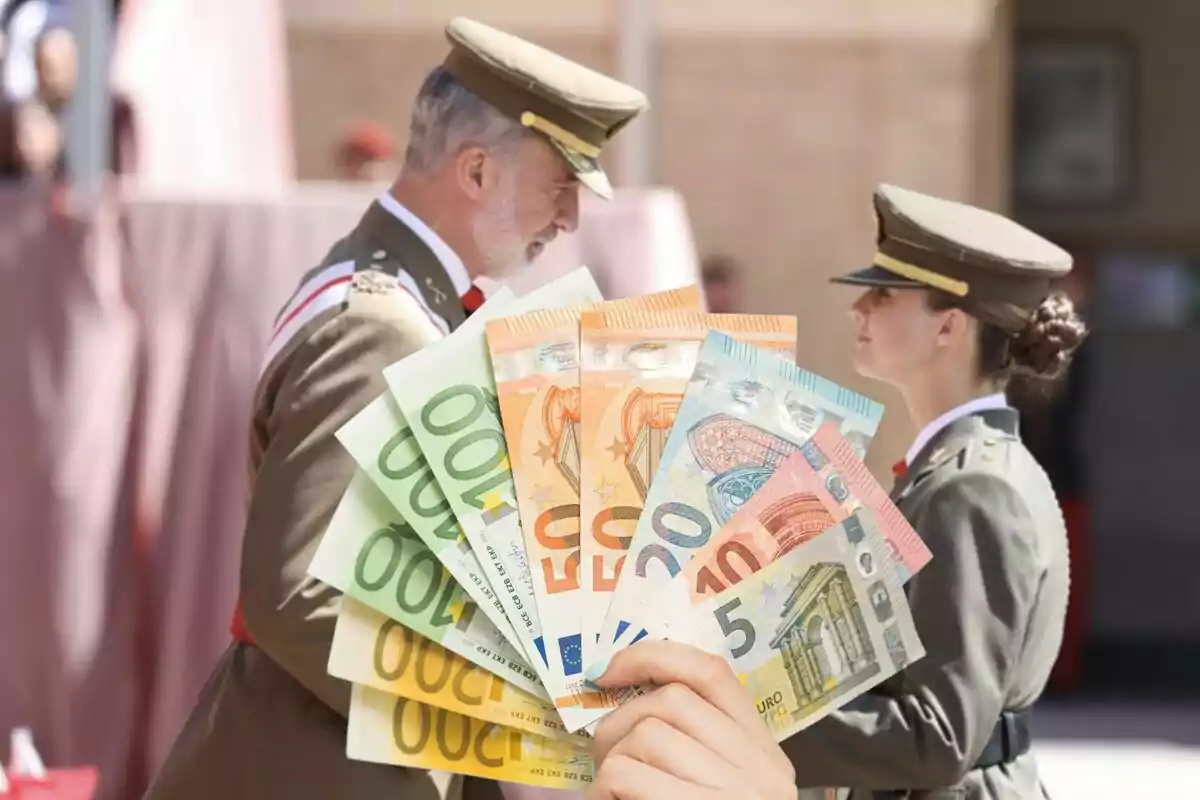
x: 447, y: 116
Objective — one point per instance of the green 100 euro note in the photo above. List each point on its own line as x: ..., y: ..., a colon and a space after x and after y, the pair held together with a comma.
x: 744, y: 411
x: 815, y: 628
x: 381, y: 442
x: 391, y: 570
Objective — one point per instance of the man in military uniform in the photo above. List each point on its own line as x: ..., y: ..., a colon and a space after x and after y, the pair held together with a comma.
x: 502, y: 134
x: 957, y: 302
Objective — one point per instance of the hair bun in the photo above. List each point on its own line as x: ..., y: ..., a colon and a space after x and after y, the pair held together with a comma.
x: 1045, y: 346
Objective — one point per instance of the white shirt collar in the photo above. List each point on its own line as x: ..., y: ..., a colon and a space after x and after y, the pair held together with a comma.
x: 450, y: 261
x: 985, y: 403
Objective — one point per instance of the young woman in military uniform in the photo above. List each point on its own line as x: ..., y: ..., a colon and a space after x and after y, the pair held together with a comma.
x: 957, y: 303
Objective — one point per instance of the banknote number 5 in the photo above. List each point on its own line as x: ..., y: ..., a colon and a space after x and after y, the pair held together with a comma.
x: 731, y: 626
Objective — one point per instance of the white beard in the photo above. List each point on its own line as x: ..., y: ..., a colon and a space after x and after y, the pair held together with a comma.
x: 505, y: 252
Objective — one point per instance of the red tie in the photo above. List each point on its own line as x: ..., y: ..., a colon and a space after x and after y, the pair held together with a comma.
x: 472, y: 300
x: 899, y: 469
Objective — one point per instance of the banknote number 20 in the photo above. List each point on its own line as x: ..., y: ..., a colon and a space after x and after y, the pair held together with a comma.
x: 658, y: 521
x: 731, y: 626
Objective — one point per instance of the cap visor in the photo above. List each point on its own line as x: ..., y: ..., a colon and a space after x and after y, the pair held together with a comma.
x: 587, y: 169
x: 877, y: 276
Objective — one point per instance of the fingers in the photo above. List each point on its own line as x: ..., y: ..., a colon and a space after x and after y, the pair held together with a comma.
x: 663, y: 662
x: 657, y: 744
x: 678, y: 707
x: 624, y: 778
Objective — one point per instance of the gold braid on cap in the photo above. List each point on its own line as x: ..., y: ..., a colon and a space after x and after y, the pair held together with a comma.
x: 562, y: 135
x: 928, y: 277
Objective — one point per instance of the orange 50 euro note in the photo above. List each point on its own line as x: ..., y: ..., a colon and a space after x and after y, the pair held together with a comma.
x: 535, y: 360
x: 634, y: 368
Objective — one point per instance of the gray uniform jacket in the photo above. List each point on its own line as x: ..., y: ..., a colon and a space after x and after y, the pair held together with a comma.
x: 271, y: 723
x: 989, y: 609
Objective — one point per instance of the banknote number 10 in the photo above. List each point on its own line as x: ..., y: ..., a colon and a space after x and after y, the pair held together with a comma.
x: 706, y: 580
x: 731, y: 626
x: 497, y: 452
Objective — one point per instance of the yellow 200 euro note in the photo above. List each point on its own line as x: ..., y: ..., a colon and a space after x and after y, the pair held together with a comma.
x: 388, y: 729
x: 371, y: 649
x: 633, y: 371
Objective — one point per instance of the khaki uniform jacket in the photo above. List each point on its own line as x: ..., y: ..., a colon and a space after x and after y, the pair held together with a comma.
x: 989, y: 609
x: 271, y: 723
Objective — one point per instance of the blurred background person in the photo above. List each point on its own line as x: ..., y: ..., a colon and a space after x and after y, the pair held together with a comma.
x: 722, y: 283
x: 40, y: 71
x: 366, y: 153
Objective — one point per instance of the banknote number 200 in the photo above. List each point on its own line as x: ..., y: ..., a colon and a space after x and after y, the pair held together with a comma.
x: 469, y: 736
x: 426, y: 654
x: 730, y: 626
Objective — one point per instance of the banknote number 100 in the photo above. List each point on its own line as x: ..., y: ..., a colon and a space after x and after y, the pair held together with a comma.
x: 399, y: 536
x: 493, y: 437
x: 448, y: 528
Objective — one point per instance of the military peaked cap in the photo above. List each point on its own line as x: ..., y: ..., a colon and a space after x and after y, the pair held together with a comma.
x: 577, y: 109
x: 998, y: 270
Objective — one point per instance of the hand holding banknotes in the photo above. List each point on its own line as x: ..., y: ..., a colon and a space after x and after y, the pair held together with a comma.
x: 696, y: 735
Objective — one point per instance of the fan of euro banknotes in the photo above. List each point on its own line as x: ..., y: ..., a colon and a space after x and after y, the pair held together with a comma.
x: 563, y: 476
